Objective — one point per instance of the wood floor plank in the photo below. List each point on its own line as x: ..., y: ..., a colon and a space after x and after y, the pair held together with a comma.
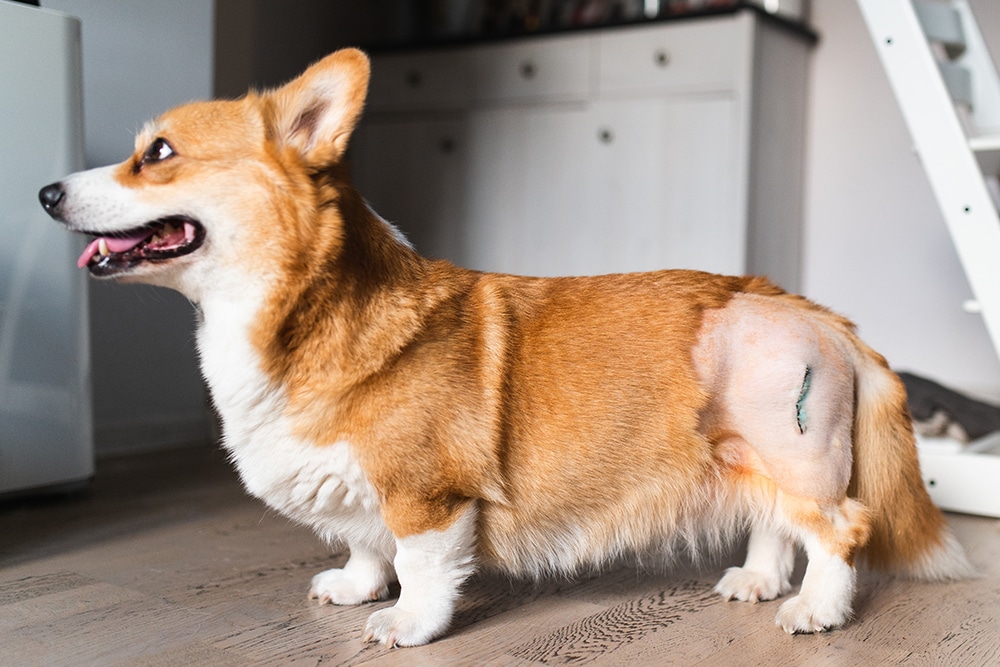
x: 615, y: 627
x: 94, y: 624
x: 193, y: 654
x: 34, y: 586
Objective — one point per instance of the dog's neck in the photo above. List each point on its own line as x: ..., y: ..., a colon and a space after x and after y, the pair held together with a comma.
x: 354, y: 300
x: 344, y: 309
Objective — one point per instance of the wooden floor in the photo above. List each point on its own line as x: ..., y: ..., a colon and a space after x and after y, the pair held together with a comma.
x: 164, y: 561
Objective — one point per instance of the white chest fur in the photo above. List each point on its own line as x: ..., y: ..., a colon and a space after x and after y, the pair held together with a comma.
x: 317, y: 484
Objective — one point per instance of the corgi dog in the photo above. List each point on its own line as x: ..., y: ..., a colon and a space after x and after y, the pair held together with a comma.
x: 436, y: 420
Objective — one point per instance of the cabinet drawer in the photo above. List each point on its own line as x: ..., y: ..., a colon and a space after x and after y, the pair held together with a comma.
x: 555, y: 69
x: 693, y: 56
x: 424, y: 81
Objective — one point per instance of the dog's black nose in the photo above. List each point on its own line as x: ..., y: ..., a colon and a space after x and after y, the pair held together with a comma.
x: 51, y: 197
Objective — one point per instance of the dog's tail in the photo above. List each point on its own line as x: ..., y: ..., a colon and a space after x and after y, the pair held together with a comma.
x: 909, y: 534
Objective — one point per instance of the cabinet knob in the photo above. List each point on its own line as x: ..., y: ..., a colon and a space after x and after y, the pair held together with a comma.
x: 528, y: 69
x: 661, y: 58
x: 414, y: 78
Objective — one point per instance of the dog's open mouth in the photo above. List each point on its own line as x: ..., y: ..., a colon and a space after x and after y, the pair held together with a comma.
x: 154, y: 242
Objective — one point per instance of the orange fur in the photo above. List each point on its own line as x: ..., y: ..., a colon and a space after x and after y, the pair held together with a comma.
x: 886, y: 478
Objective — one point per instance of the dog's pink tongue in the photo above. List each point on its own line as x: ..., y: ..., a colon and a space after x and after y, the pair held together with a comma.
x: 114, y: 244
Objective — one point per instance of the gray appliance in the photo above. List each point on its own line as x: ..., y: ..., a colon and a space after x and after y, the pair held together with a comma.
x: 46, y: 433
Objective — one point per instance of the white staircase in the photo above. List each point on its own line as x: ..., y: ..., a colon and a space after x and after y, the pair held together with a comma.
x: 949, y: 92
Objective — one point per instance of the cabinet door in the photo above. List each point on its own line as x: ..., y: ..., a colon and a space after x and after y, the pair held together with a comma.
x: 412, y: 174
x: 528, y: 174
x: 668, y: 190
x: 629, y: 185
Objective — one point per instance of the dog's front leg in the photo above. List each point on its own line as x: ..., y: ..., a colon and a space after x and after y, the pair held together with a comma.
x: 431, y: 567
x: 365, y: 578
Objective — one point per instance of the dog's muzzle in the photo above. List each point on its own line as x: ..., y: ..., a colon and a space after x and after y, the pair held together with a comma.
x: 114, y: 253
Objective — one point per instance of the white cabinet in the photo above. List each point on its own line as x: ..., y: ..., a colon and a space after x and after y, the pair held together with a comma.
x: 557, y: 69
x: 414, y: 173
x: 668, y: 187
x: 621, y: 149
x: 688, y: 57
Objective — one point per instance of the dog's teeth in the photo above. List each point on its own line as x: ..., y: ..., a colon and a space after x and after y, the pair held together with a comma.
x: 102, y: 247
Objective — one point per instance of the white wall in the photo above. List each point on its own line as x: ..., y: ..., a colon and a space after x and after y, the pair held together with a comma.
x: 141, y: 57
x: 877, y: 248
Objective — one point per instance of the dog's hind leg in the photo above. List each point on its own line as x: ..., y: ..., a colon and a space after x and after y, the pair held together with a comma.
x: 783, y: 386
x: 804, y: 445
x: 431, y: 567
x: 832, y: 538
x: 766, y: 573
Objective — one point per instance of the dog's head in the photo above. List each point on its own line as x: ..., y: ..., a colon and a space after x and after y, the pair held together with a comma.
x: 219, y: 185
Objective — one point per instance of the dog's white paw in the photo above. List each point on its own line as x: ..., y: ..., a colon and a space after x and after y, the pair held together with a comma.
x: 339, y: 587
x: 802, y: 615
x: 739, y: 583
x: 398, y: 627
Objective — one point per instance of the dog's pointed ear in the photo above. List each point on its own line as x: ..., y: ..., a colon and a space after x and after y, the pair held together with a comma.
x: 316, y: 113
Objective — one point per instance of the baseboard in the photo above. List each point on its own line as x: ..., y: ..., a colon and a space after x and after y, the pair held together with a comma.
x: 119, y: 438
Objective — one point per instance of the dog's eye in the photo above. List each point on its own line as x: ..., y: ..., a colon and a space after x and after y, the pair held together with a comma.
x: 158, y: 150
